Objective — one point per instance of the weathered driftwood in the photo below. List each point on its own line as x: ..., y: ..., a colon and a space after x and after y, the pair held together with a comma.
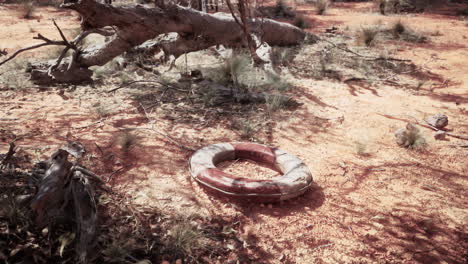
x: 134, y: 25
x: 8, y: 156
x: 65, y: 188
x: 49, y: 200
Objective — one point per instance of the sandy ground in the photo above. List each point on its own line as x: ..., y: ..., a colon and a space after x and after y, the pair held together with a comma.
x: 389, y: 205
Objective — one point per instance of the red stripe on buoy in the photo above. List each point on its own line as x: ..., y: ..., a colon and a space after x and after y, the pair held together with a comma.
x: 228, y: 183
x: 255, y: 152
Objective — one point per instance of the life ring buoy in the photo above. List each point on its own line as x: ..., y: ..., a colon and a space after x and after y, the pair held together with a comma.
x: 296, y: 177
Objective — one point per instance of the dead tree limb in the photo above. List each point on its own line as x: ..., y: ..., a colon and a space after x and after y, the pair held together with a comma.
x: 47, y: 42
x: 8, y: 156
x: 133, y: 25
x: 66, y: 186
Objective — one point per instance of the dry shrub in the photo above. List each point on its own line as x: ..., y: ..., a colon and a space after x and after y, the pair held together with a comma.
x: 281, y: 9
x: 247, y: 127
x: 361, y: 149
x: 185, y: 238
x: 416, y: 140
x: 367, y: 35
x: 301, y: 22
x: 282, y: 56
x: 13, y: 75
x: 127, y: 141
x: 402, y: 32
x: 322, y: 6
x: 276, y: 101
x: 27, y: 9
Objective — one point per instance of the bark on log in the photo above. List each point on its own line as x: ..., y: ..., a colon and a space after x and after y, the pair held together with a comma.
x: 48, y: 202
x: 136, y: 24
x: 66, y: 186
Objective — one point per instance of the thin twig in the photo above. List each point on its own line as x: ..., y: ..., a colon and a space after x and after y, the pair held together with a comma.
x: 363, y: 56
x: 23, y: 50
x: 322, y: 246
x: 147, y: 81
x: 63, y: 36
x: 113, y: 173
x: 94, y: 123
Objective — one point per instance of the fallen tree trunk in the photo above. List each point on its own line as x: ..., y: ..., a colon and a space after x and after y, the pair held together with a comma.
x: 134, y: 25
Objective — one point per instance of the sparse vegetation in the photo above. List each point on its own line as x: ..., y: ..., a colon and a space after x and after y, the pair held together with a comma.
x: 275, y: 102
x: 282, y: 56
x: 12, y: 75
x: 247, y: 128
x: 27, y: 9
x: 16, y: 215
x: 127, y: 141
x: 101, y: 110
x: 400, y: 31
x: 282, y: 9
x: 367, y: 35
x: 322, y: 6
x: 398, y: 28
x: 185, y: 238
x: 301, y: 22
x: 117, y: 251
x: 416, y: 140
x: 361, y: 148
x: 140, y: 127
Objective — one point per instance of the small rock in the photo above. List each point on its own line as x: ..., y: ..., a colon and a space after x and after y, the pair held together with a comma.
x: 440, y: 135
x: 282, y: 257
x: 438, y: 121
x: 378, y: 217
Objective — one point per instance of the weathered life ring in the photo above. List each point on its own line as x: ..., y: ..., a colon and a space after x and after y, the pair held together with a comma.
x: 296, y: 178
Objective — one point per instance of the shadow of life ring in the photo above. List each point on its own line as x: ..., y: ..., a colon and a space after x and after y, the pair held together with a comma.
x: 296, y: 177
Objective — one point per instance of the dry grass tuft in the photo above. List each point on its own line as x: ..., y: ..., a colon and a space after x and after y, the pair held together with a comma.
x: 367, y: 35
x: 27, y: 9
x: 401, y: 31
x: 185, y: 238
x: 416, y: 140
x: 127, y: 141
x: 322, y: 6
x: 301, y: 22
x: 281, y: 9
x: 13, y: 75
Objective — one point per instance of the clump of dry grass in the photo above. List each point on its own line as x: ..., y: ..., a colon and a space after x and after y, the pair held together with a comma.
x: 367, y: 35
x: 13, y: 74
x: 101, y: 110
x: 416, y: 140
x: 322, y: 6
x: 276, y: 101
x: 281, y: 9
x: 282, y: 55
x: 27, y: 9
x: 127, y: 141
x: 361, y: 149
x: 398, y: 28
x: 401, y: 31
x: 301, y: 22
x: 185, y: 238
x: 247, y: 128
